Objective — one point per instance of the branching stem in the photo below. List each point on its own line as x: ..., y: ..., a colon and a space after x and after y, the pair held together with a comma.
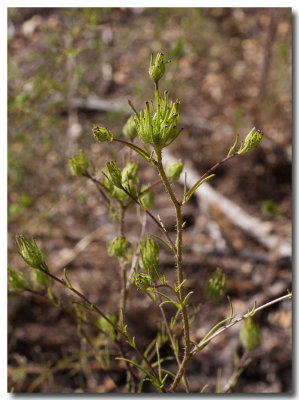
x: 180, y: 275
x: 237, y: 320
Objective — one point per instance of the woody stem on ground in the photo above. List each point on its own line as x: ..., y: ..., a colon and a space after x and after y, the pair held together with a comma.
x: 180, y: 275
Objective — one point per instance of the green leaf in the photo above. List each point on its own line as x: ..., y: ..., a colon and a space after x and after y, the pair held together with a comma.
x: 88, y: 307
x: 232, y: 149
x: 158, y: 362
x: 190, y: 193
x: 204, y: 388
x: 171, y: 302
x: 214, y: 329
x: 67, y: 279
x: 186, y: 298
x: 177, y: 288
x: 145, y: 371
x: 174, y: 319
x: 163, y: 241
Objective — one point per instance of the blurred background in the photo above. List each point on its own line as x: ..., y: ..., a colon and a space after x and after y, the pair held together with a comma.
x: 70, y: 68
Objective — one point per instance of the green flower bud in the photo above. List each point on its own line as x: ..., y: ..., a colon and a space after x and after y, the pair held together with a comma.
x: 157, y: 68
x: 158, y: 124
x: 130, y: 129
x: 143, y: 281
x: 30, y: 253
x: 101, y: 134
x: 17, y: 282
x: 117, y: 247
x: 39, y: 279
x: 250, y: 334
x: 149, y: 256
x: 215, y: 288
x: 104, y: 326
x: 130, y: 172
x: 79, y: 163
x: 174, y: 170
x: 252, y: 140
x: 113, y: 173
x: 147, y: 198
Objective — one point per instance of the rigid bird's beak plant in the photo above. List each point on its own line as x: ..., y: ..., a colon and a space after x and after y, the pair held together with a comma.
x: 157, y: 126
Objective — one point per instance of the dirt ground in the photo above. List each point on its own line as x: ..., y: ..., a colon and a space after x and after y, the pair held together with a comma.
x: 70, y: 68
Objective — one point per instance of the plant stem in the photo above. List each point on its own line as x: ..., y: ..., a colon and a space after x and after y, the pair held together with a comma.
x: 237, y: 320
x: 180, y: 275
x: 165, y: 234
x: 99, y: 186
x: 121, y: 220
x: 171, y: 338
x: 236, y: 373
x: 211, y: 170
x: 137, y: 252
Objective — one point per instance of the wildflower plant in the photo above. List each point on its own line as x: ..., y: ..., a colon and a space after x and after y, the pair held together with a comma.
x: 120, y: 186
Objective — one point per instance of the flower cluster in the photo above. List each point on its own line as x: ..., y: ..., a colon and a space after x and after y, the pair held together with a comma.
x: 102, y: 134
x: 117, y: 247
x: 250, y: 334
x: 215, y: 287
x: 174, y: 170
x: 251, y: 141
x: 79, y: 164
x: 157, y: 68
x: 158, y: 124
x: 30, y: 253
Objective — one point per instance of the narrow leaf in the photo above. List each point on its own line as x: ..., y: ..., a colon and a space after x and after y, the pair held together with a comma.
x: 67, y: 279
x: 137, y: 149
x: 186, y: 298
x: 163, y: 241
x: 204, y: 388
x: 177, y: 288
x: 174, y: 319
x: 89, y: 308
x: 171, y: 302
x: 232, y: 149
x: 137, y: 366
x: 192, y: 190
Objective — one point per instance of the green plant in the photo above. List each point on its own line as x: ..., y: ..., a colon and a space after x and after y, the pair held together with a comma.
x: 121, y: 188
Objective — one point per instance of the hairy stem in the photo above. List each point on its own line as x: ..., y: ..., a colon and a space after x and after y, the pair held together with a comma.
x: 239, y: 319
x: 165, y: 234
x: 180, y: 275
x: 211, y: 170
x: 171, y: 338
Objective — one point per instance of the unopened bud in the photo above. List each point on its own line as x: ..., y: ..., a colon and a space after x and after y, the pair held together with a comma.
x: 147, y: 198
x: 252, y: 140
x: 250, y: 334
x: 149, y: 256
x: 16, y: 281
x: 130, y: 129
x: 79, y: 163
x: 117, y: 247
x: 143, y: 281
x: 101, y: 134
x: 39, y: 279
x: 114, y: 174
x: 174, y: 170
x: 157, y: 68
x: 215, y: 288
x: 30, y: 253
